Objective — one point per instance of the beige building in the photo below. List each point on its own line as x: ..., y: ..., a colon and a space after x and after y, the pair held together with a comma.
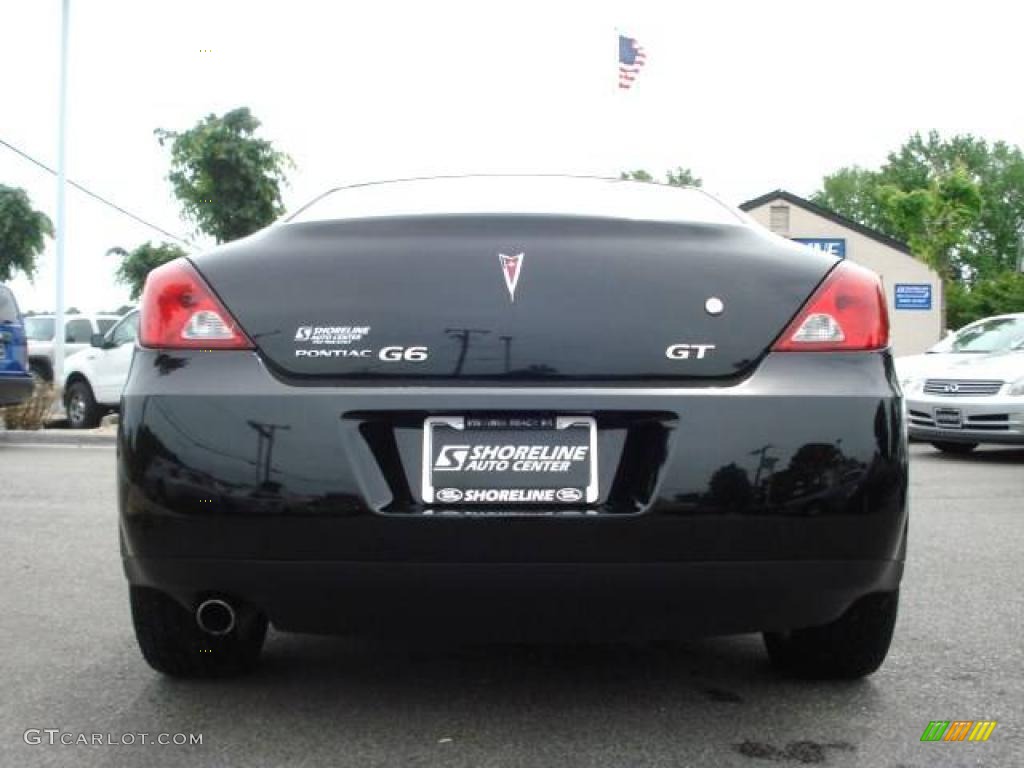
x: 913, y: 290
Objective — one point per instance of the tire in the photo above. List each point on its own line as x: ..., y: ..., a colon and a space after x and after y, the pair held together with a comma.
x: 83, y: 412
x: 961, y: 449
x: 852, y: 646
x: 172, y: 643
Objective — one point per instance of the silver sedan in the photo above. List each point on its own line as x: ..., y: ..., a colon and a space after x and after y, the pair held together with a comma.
x: 972, y: 400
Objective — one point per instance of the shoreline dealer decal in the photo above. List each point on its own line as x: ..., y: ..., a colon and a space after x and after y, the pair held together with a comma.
x: 331, y: 334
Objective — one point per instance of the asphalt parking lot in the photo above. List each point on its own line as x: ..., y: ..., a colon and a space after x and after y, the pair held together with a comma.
x: 69, y: 661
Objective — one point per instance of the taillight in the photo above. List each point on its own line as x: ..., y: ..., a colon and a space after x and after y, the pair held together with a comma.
x: 179, y: 311
x: 846, y: 313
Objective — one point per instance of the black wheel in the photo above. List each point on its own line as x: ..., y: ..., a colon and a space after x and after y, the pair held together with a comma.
x: 961, y: 449
x: 852, y: 646
x: 172, y: 642
x: 83, y: 412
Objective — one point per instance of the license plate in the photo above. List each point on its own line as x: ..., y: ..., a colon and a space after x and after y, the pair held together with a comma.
x: 510, y: 460
x: 948, y: 417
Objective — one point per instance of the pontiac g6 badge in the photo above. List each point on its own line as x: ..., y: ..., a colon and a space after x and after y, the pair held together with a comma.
x: 511, y: 268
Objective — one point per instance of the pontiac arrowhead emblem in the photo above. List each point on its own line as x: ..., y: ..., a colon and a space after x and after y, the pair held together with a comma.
x: 511, y: 268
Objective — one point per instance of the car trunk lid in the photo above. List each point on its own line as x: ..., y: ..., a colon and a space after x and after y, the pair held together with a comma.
x: 513, y: 298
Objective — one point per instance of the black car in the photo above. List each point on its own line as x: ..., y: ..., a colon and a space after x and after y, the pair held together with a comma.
x: 16, y: 382
x: 513, y: 406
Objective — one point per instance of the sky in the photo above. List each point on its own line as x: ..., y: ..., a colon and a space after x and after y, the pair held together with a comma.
x: 752, y: 96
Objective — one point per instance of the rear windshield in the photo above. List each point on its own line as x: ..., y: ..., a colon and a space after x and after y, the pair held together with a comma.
x: 39, y: 328
x: 555, y: 195
x: 8, y: 306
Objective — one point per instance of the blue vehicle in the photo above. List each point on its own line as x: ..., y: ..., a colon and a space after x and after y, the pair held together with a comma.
x: 15, y: 381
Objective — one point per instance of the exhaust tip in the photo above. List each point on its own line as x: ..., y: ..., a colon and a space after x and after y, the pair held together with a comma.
x: 215, y: 617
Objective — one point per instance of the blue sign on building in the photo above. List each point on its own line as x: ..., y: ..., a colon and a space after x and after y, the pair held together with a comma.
x: 833, y: 246
x: 913, y: 296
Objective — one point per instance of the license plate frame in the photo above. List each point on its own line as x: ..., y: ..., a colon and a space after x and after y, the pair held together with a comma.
x: 452, y: 490
x: 949, y: 418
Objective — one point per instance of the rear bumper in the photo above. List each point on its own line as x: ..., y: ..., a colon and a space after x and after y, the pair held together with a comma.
x: 530, y: 600
x: 15, y: 388
x: 772, y: 503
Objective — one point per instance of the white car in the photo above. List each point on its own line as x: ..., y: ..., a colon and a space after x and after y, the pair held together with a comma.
x: 966, y: 399
x: 78, y: 331
x: 982, y: 337
x: 95, y: 376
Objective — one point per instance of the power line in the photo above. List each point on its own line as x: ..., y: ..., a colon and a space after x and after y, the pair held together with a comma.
x: 95, y: 196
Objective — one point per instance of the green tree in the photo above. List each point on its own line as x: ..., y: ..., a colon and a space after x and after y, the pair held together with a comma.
x: 936, y: 220
x: 679, y: 177
x: 853, y: 192
x: 682, y: 177
x: 996, y: 169
x: 637, y: 175
x: 139, y: 262
x: 227, y: 180
x: 23, y: 233
x: 993, y: 296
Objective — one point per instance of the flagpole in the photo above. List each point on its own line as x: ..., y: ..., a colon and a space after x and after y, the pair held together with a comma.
x: 58, y: 330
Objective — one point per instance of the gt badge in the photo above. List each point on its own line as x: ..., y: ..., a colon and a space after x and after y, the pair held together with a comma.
x: 688, y: 351
x: 511, y: 268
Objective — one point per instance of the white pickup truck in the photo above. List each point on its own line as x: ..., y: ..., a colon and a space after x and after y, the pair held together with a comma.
x: 78, y: 332
x: 95, y: 376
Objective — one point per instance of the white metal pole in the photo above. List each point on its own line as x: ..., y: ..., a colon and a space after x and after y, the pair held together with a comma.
x: 58, y: 331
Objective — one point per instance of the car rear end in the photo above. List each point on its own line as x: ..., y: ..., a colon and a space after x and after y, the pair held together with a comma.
x: 516, y: 422
x: 15, y: 381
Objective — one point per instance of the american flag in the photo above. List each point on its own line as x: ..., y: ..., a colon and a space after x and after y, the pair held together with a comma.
x: 631, y: 59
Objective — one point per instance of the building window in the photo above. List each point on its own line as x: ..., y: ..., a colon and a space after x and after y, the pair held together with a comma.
x: 778, y: 219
